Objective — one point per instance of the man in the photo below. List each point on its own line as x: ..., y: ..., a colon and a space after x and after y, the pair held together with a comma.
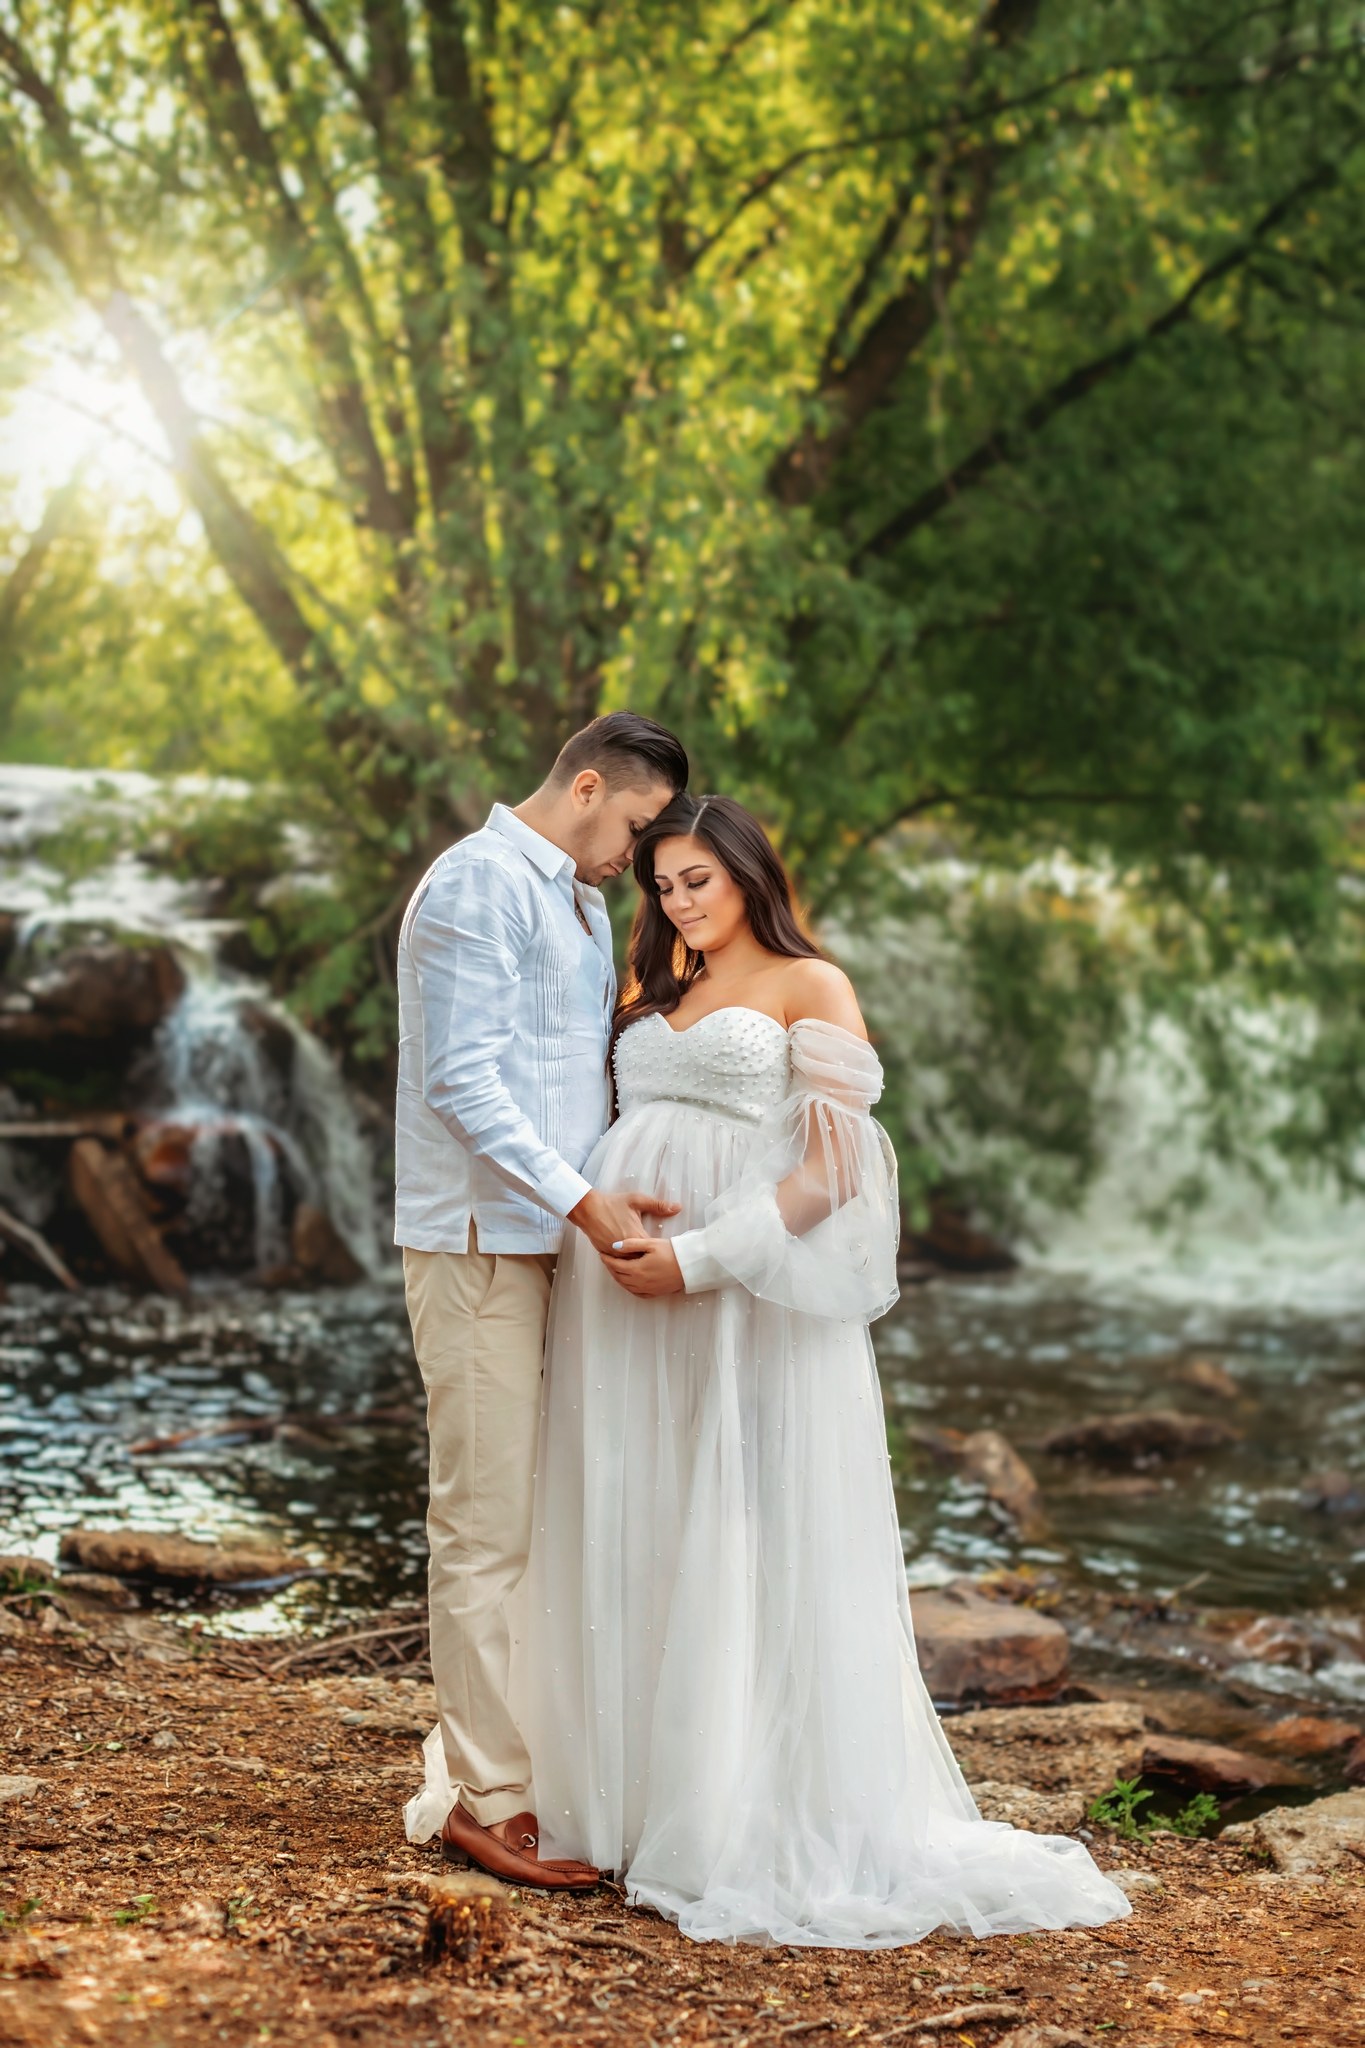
x: 505, y: 996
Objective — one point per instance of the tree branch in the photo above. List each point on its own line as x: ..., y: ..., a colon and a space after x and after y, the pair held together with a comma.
x: 22, y: 579
x: 1005, y: 443
x: 250, y: 158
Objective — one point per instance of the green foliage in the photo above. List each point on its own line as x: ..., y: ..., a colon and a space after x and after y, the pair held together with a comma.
x: 15, y: 1918
x: 1196, y: 1817
x: 1117, y: 1809
x: 137, y: 1908
x: 942, y: 416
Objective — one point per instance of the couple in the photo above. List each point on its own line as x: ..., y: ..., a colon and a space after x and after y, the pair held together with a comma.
x: 669, y: 1625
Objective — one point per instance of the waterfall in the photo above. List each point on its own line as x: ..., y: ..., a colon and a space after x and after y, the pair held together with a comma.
x: 230, y: 1062
x: 234, y: 1078
x: 1259, y: 1235
x: 1166, y: 1215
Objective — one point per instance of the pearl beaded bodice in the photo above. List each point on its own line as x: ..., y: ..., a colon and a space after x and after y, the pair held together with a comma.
x: 732, y: 1061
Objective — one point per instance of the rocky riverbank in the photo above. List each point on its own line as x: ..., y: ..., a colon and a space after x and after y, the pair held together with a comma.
x: 202, y: 1841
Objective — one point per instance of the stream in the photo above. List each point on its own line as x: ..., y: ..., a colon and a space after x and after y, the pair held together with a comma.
x: 87, y: 1378
x: 1266, y: 1281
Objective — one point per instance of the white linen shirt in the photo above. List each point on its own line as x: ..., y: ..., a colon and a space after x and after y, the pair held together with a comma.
x: 489, y: 970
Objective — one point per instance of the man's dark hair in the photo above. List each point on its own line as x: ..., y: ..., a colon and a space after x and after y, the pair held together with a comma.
x: 627, y: 750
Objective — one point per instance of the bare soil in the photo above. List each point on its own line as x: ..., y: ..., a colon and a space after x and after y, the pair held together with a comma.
x: 215, y: 1855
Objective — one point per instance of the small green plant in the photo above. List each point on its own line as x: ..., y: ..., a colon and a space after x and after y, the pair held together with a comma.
x: 136, y: 1909
x: 16, y: 1580
x: 1196, y: 1817
x: 1117, y: 1809
x: 243, y: 1907
x: 13, y: 1917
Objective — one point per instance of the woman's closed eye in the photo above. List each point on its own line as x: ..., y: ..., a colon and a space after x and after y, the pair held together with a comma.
x: 692, y: 883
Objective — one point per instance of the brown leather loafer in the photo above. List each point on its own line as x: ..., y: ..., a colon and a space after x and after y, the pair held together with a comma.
x: 508, y: 1849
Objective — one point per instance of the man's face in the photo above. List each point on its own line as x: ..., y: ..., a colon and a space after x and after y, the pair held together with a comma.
x: 610, y: 823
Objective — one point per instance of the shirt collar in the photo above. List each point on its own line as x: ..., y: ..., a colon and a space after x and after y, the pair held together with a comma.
x: 542, y: 852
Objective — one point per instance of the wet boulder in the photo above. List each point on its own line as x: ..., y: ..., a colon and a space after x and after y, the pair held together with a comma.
x: 971, y: 1648
x: 1287, y: 1639
x: 1310, y: 1735
x: 992, y: 1461
x: 1208, y: 1376
x: 1334, y: 1493
x: 99, y: 990
x: 1213, y: 1766
x: 152, y: 1557
x: 1146, y: 1437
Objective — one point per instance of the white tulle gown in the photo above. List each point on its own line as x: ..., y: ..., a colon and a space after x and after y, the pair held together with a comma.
x: 714, y: 1665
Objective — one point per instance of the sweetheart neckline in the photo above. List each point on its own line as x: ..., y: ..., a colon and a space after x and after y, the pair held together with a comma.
x: 722, y: 1010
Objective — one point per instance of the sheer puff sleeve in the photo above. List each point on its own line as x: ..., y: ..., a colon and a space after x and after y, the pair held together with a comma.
x: 813, y: 1223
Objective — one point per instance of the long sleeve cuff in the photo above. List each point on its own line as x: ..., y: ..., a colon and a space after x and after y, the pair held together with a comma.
x: 700, y: 1268
x: 562, y: 1189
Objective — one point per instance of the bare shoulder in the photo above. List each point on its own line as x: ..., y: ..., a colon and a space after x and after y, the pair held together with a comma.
x: 819, y: 990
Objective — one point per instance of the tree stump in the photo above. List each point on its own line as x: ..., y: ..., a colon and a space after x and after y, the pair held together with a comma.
x: 470, y: 1920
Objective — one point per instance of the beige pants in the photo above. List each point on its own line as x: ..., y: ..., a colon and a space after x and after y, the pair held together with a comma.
x: 478, y: 1324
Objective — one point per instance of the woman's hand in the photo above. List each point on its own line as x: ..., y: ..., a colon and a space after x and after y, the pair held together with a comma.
x: 644, y: 1265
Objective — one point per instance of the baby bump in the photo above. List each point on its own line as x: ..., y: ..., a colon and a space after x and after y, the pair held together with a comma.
x: 683, y: 1154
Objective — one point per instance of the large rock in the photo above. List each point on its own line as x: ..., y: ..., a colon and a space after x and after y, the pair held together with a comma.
x: 97, y: 991
x: 1208, y: 1376
x: 1334, y: 1493
x: 1213, y: 1767
x: 21, y: 1788
x: 1140, y: 1438
x: 1287, y: 1639
x: 1080, y: 1748
x: 176, y: 1560
x: 971, y: 1648
x: 1310, y: 1735
x: 992, y: 1461
x: 1309, y: 1841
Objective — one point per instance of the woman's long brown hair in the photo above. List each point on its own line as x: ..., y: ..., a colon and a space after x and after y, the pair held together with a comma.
x: 662, y: 966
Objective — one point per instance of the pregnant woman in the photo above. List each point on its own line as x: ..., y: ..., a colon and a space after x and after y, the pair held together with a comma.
x: 716, y: 1672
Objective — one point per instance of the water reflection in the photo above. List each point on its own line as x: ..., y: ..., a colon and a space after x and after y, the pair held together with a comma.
x: 84, y: 1379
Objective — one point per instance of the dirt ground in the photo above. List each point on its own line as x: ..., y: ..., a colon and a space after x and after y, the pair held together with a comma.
x: 218, y: 1857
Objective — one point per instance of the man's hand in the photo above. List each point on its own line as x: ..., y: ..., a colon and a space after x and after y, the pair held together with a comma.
x: 606, y: 1219
x: 645, y: 1265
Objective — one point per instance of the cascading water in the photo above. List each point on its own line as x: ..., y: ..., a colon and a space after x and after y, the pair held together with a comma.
x: 240, y: 1081
x: 212, y: 1071
x: 1166, y: 1215
x: 1259, y: 1236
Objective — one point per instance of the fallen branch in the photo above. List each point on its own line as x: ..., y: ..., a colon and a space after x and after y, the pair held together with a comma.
x: 36, y: 1245
x: 109, y: 1124
x: 611, y: 1941
x: 963, y: 2015
x: 333, y: 1645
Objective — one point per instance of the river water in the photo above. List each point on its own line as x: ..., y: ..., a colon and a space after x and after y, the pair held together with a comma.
x: 86, y: 1379
x: 1267, y: 1278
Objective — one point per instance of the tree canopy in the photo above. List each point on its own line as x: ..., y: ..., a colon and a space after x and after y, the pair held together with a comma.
x: 936, y: 412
